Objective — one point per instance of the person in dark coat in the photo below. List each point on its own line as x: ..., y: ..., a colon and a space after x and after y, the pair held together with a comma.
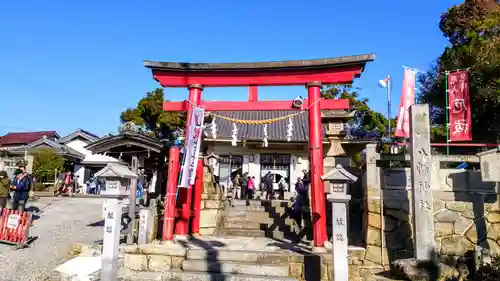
x: 22, y: 188
x: 268, y: 181
x: 301, y: 203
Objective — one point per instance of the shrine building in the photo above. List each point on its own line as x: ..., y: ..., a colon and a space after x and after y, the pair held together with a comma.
x: 286, y: 154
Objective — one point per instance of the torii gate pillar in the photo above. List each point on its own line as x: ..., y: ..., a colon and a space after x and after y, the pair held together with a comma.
x: 316, y: 164
x: 312, y: 73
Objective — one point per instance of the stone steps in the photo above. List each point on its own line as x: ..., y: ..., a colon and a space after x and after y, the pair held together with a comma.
x: 256, y: 208
x: 258, y: 257
x: 260, y: 219
x: 257, y: 217
x: 228, y: 267
x: 251, y: 224
x: 257, y: 233
x: 177, y: 275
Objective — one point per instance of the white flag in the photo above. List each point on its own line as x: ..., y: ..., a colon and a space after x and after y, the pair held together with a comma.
x: 192, y: 147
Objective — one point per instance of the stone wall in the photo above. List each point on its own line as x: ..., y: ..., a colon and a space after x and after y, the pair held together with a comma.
x: 466, y: 210
x: 211, y: 205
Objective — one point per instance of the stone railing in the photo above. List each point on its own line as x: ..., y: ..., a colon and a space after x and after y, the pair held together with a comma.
x: 466, y: 209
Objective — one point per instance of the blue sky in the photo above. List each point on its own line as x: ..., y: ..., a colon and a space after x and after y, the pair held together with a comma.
x: 77, y: 64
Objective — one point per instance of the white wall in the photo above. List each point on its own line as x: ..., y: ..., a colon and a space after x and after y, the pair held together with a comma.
x: 79, y: 170
x: 78, y: 145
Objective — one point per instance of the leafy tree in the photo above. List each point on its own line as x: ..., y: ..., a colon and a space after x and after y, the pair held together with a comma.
x: 45, y: 163
x: 365, y: 118
x: 152, y: 119
x: 473, y: 30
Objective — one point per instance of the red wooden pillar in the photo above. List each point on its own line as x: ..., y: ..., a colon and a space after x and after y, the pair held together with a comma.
x: 169, y: 208
x: 316, y: 164
x: 198, y: 190
x: 185, y: 194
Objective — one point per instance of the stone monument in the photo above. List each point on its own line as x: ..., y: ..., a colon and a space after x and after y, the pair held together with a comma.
x: 117, y: 179
x: 422, y: 204
x: 339, y: 180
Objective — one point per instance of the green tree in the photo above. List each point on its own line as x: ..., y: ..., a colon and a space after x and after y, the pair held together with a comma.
x: 45, y: 163
x: 365, y: 118
x: 473, y: 30
x: 152, y: 119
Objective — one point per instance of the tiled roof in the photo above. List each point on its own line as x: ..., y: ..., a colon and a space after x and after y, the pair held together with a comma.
x: 45, y: 142
x: 275, y: 131
x: 25, y: 137
x: 79, y: 133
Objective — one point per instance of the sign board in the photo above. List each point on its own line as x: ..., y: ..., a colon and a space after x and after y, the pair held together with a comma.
x: 13, y: 221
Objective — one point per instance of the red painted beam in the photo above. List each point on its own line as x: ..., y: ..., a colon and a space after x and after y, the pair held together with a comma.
x: 254, y: 105
x: 341, y: 75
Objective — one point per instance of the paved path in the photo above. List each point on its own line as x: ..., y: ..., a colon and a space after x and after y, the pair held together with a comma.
x: 61, y: 223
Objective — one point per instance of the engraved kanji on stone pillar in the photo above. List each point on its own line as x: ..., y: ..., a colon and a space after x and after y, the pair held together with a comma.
x: 423, y: 219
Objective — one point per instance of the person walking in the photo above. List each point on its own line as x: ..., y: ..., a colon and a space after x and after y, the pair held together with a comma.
x: 250, y: 190
x: 4, y: 188
x: 268, y: 182
x: 236, y: 188
x: 244, y: 185
x: 22, y: 188
x: 301, y: 203
x: 59, y: 184
x: 282, y: 186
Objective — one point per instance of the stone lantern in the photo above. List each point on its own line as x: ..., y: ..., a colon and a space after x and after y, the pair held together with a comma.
x: 336, y: 130
x: 339, y: 179
x: 117, y: 179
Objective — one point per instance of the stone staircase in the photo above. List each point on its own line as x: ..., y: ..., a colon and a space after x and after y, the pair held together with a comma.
x: 232, y: 259
x: 209, y: 260
x: 263, y: 219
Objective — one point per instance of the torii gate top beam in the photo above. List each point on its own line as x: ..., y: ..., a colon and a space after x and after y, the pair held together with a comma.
x: 340, y: 70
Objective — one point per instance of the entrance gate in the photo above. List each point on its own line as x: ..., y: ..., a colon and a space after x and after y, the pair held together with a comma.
x: 311, y: 73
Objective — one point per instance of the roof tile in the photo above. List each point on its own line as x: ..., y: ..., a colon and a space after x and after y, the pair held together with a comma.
x: 275, y: 131
x: 24, y: 137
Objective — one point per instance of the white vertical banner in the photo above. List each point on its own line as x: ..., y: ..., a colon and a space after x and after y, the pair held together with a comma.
x: 192, y: 146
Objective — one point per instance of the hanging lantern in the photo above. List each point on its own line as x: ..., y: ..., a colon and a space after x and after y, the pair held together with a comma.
x: 235, y: 135
x: 264, y: 141
x: 289, y: 130
x: 213, y: 128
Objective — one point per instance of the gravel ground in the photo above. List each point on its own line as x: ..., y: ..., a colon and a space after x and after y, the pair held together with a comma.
x: 61, y: 223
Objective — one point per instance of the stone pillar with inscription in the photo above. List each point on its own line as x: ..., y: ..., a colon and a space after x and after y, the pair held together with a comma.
x: 111, y: 240
x: 423, y: 219
x: 339, y: 179
x: 146, y: 224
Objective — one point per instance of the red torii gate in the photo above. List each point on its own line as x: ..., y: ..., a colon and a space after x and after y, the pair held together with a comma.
x: 311, y: 73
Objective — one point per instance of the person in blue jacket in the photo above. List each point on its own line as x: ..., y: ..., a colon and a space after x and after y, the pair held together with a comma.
x: 22, y: 186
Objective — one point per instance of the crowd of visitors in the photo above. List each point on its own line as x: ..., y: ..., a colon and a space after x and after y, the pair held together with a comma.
x: 244, y: 187
x: 16, y: 189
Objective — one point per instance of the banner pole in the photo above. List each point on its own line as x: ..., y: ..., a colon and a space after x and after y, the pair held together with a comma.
x: 447, y: 114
